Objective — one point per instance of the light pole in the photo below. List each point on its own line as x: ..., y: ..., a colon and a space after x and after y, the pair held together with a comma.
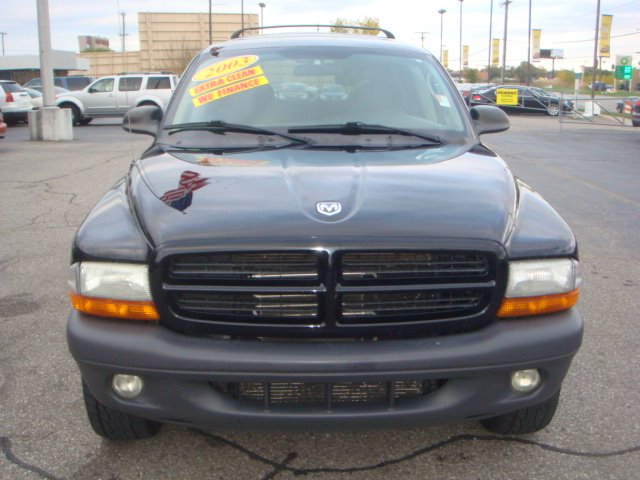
x: 442, y: 11
x: 262, y: 5
x: 490, y: 42
x: 242, y: 14
x: 504, y: 46
x: 460, y: 79
x: 3, y: 34
x: 529, y: 49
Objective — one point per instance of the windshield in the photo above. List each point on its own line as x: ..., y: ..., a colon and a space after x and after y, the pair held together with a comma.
x: 281, y: 89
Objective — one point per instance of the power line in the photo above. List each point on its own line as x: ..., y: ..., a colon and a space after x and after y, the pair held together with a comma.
x: 591, y: 39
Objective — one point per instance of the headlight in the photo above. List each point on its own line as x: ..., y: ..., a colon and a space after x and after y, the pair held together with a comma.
x: 536, y: 287
x: 119, y: 290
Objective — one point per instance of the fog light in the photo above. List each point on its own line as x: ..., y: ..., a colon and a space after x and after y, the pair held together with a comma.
x: 127, y: 386
x: 525, y: 381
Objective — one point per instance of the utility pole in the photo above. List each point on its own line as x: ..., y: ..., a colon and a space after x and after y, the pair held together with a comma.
x: 460, y: 79
x: 490, y: 42
x: 504, y: 47
x: 242, y: 14
x: 529, y: 49
x: 3, y: 35
x: 442, y: 11
x: 422, y: 34
x: 123, y: 29
x: 595, y: 55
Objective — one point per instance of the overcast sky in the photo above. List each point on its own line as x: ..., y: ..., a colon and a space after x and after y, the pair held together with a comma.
x: 566, y: 24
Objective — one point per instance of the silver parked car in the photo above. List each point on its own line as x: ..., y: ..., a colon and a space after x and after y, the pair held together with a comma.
x: 113, y: 96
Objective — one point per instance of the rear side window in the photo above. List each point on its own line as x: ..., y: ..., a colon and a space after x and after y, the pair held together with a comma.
x: 11, y: 87
x: 158, y: 83
x: 130, y: 84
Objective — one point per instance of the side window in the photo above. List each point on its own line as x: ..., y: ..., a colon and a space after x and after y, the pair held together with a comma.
x: 102, y: 86
x: 158, y: 83
x: 76, y: 83
x: 130, y: 84
x: 57, y: 82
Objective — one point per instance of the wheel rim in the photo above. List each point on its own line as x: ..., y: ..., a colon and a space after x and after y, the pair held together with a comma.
x: 553, y: 110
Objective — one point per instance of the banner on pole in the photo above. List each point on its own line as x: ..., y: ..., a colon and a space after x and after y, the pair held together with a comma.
x: 495, y: 52
x: 605, y: 35
x: 537, y: 33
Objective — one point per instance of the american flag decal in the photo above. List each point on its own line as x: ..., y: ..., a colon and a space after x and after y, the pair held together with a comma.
x: 181, y: 197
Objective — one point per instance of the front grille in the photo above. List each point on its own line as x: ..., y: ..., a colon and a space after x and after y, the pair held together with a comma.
x: 329, y: 395
x: 377, y: 267
x: 249, y: 305
x: 329, y: 294
x: 425, y: 304
x: 245, y: 267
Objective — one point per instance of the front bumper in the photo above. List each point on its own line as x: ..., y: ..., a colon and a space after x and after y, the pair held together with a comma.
x: 179, y: 371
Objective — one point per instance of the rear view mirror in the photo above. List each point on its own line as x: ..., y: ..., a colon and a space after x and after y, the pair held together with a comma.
x: 489, y: 119
x: 144, y: 119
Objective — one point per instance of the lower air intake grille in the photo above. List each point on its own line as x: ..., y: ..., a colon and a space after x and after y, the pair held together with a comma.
x: 329, y: 394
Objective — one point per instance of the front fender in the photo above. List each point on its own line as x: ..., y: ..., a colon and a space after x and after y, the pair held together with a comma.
x: 60, y: 101
x: 538, y: 229
x: 111, y: 231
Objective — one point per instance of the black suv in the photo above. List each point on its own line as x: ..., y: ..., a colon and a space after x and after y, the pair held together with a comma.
x: 321, y: 262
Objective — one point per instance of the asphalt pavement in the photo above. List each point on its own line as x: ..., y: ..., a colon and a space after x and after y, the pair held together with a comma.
x: 589, y: 173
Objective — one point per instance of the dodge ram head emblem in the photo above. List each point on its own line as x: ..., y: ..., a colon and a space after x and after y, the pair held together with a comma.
x: 329, y: 208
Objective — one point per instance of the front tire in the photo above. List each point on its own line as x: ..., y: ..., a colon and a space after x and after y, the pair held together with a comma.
x: 76, y: 117
x: 526, y: 420
x: 114, y: 425
x: 553, y: 109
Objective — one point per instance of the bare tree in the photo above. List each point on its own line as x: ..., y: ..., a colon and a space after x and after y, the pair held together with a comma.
x: 343, y: 25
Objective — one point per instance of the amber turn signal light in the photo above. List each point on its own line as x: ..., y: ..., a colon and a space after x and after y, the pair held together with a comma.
x: 106, y: 307
x: 526, y: 306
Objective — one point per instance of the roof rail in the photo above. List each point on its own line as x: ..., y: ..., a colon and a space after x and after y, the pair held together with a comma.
x: 239, y: 33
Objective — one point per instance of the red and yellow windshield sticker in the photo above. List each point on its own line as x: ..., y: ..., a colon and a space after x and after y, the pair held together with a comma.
x: 224, y: 67
x: 225, y: 80
x: 229, y: 90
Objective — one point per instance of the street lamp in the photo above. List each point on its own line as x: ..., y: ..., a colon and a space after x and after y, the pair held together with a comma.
x: 262, y: 5
x: 504, y: 46
x: 442, y: 11
x: 460, y: 80
x: 490, y: 42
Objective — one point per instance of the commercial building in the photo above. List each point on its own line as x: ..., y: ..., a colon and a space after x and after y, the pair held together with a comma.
x: 168, y: 41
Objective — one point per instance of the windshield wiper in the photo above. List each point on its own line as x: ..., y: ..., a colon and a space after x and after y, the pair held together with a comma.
x: 361, y: 128
x: 218, y: 126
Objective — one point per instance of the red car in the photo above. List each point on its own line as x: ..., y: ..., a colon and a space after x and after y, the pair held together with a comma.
x: 3, y: 126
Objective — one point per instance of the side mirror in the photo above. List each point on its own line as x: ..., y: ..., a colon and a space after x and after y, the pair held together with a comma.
x: 144, y: 119
x: 489, y: 119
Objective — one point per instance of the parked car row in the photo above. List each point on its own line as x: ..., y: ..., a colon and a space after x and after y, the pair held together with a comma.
x: 110, y: 96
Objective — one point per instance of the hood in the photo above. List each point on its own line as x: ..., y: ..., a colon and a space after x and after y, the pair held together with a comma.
x: 307, y: 198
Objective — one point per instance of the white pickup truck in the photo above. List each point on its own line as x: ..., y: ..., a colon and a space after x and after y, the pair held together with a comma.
x: 113, y: 96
